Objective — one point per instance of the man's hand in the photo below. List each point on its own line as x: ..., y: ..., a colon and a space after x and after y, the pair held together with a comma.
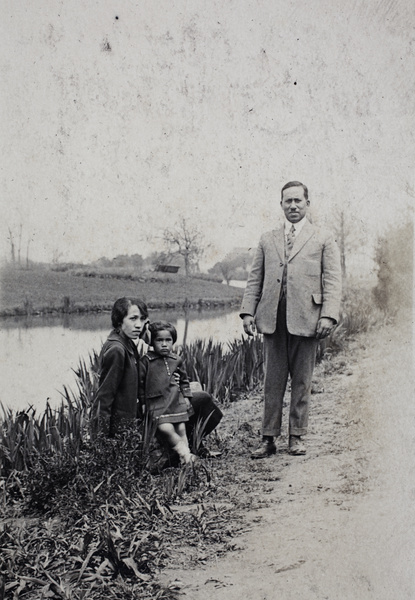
x: 324, y: 327
x: 249, y: 325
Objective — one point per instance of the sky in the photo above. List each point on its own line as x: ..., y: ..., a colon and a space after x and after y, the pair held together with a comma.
x: 118, y: 118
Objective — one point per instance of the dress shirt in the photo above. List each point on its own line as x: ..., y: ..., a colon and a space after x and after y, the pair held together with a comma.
x: 297, y: 226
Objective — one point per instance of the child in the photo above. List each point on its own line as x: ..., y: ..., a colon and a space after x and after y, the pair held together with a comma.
x: 164, y: 388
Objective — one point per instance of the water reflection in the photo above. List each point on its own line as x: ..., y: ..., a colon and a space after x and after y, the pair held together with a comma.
x: 37, y: 354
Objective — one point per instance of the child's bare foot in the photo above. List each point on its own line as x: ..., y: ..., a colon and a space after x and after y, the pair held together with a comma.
x: 188, y: 459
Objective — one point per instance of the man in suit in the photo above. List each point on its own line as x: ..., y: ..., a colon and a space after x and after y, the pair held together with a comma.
x: 293, y: 298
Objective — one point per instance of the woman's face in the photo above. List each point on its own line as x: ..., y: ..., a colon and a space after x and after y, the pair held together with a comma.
x: 133, y: 322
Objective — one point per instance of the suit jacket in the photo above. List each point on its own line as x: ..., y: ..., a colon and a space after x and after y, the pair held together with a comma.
x: 313, y: 281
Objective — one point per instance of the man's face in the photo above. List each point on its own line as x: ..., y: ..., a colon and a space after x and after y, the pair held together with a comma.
x: 294, y: 204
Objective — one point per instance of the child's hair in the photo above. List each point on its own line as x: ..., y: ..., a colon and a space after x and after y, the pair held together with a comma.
x: 157, y: 326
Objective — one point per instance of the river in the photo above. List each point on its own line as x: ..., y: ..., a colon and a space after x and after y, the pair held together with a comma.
x: 37, y: 354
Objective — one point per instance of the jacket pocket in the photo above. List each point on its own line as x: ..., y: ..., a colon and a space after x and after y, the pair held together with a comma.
x: 317, y: 298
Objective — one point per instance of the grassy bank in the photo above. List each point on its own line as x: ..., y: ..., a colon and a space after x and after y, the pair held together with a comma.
x: 43, y: 291
x: 84, y: 517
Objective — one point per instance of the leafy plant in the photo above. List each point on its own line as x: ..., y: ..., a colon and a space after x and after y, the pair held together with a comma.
x: 223, y: 371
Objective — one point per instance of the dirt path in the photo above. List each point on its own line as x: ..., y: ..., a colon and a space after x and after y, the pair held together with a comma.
x: 339, y: 523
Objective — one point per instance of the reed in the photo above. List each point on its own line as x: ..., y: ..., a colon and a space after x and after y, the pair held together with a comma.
x: 24, y: 436
x: 223, y: 370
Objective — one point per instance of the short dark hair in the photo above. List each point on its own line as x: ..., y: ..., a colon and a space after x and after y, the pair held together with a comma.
x: 295, y: 184
x: 157, y: 326
x: 120, y: 310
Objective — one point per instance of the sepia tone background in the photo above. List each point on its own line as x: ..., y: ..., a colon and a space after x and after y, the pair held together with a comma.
x: 119, y: 117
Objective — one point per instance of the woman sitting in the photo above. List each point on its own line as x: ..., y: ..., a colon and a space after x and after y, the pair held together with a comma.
x: 116, y: 399
x: 117, y: 396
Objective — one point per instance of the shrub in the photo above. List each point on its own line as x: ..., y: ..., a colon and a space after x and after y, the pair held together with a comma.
x: 359, y: 315
x: 394, y: 259
x: 71, y: 482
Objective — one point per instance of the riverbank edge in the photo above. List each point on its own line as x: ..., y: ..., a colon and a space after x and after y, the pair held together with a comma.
x: 219, y: 500
x: 78, y: 308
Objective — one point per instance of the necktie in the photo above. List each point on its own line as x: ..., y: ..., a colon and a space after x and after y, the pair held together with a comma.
x: 290, y: 240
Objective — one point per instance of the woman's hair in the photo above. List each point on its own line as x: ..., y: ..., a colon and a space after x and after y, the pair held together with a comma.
x: 157, y: 326
x: 120, y: 310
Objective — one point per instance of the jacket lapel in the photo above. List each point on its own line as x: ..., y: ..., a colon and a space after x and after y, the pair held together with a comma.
x: 279, y: 242
x: 305, y: 234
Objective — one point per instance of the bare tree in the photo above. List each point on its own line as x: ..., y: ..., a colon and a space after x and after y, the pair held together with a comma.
x: 29, y: 239
x: 350, y: 235
x: 19, y: 247
x: 186, y: 240
x: 12, y: 246
x: 16, y: 240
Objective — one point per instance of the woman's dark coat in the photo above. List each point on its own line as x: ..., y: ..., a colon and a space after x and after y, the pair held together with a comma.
x: 116, y: 399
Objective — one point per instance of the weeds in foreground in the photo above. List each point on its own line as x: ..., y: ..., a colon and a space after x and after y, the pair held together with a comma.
x: 95, y: 523
x: 102, y: 534
x: 100, y: 523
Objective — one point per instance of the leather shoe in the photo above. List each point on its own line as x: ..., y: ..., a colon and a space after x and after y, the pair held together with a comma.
x: 265, y: 449
x: 296, y: 445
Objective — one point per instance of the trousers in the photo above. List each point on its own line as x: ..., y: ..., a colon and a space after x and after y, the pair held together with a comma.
x: 286, y: 354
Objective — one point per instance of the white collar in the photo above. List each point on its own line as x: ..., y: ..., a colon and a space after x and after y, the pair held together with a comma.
x: 297, y: 226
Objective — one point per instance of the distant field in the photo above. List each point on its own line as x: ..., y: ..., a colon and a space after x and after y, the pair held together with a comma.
x: 45, y: 291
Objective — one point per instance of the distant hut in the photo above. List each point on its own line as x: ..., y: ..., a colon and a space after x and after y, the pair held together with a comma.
x: 167, y: 268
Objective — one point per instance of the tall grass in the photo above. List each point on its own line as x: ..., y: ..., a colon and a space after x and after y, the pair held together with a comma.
x: 26, y: 435
x: 223, y: 370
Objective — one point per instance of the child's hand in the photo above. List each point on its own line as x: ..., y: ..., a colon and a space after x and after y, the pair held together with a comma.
x: 145, y: 334
x: 188, y: 403
x: 176, y: 378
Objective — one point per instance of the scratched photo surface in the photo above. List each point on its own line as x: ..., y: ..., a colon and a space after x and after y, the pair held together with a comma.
x: 124, y: 124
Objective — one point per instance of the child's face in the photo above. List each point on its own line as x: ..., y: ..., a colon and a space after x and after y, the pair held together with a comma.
x: 133, y: 322
x: 163, y: 343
